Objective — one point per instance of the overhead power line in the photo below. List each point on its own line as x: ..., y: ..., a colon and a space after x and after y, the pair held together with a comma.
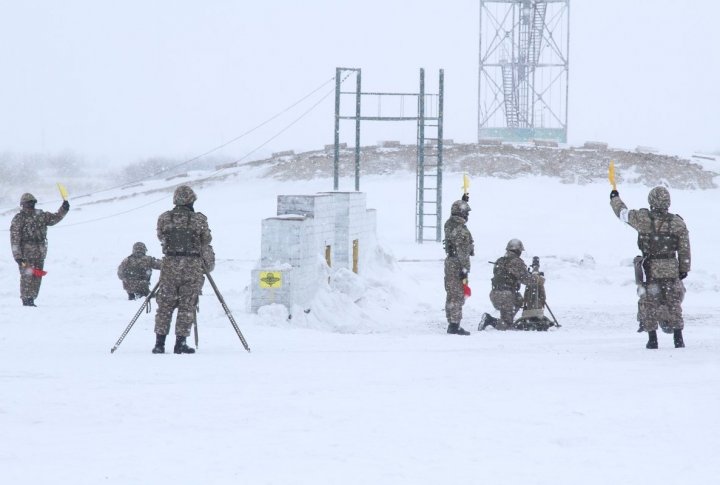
x: 213, y: 174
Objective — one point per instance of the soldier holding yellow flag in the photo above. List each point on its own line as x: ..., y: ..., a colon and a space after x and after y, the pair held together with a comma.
x: 664, y: 242
x: 459, y: 246
x: 28, y: 241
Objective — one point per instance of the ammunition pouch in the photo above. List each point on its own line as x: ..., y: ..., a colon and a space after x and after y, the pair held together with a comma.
x: 639, y: 274
x: 449, y: 248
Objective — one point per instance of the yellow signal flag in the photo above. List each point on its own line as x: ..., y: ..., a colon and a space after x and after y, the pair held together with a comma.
x: 466, y: 183
x: 271, y: 279
x: 63, y: 191
x: 611, y: 174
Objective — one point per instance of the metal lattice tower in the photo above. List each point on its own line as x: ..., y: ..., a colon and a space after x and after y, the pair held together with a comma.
x: 523, y: 69
x: 427, y: 112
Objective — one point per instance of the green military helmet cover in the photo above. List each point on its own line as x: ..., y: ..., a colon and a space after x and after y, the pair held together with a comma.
x: 659, y: 198
x: 184, y: 195
x: 460, y: 208
x: 27, y: 197
x: 139, y: 248
x: 515, y: 245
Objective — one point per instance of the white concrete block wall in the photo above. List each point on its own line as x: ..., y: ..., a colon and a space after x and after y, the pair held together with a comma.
x: 350, y: 223
x: 321, y: 209
x: 294, y: 243
x: 283, y: 239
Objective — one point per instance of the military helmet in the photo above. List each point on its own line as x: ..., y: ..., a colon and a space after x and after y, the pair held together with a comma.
x: 139, y: 248
x: 659, y: 198
x: 27, y: 197
x: 460, y: 208
x: 515, y: 245
x: 184, y: 195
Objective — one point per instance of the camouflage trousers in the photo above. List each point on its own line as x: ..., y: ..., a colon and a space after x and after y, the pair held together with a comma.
x: 29, y: 283
x: 181, y: 281
x: 138, y: 287
x: 508, y: 303
x: 455, y: 293
x: 661, y: 304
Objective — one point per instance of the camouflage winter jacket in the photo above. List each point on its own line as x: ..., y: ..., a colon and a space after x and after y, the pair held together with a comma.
x: 459, y: 243
x: 137, y: 268
x: 510, y: 272
x: 183, y: 232
x: 28, y: 232
x: 663, y: 239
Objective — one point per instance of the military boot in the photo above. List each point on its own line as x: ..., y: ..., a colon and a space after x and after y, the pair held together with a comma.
x: 28, y: 302
x: 486, y: 320
x: 181, y: 347
x: 652, y: 342
x: 159, y: 344
x: 456, y: 329
x: 678, y: 338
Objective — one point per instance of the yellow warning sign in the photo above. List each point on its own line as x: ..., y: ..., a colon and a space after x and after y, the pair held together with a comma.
x: 270, y: 279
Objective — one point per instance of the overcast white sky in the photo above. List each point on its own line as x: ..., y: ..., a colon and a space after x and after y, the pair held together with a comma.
x: 115, y: 81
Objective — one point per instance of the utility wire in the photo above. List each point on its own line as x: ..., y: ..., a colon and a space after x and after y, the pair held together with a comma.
x: 212, y: 150
x: 216, y: 172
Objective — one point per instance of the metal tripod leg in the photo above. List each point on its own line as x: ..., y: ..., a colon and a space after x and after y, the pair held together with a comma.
x: 137, y: 315
x: 552, y: 315
x: 227, y: 310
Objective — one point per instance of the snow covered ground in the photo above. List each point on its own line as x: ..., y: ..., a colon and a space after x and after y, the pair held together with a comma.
x: 367, y: 387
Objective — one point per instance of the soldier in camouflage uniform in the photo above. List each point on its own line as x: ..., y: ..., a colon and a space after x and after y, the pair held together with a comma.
x: 665, y: 244
x: 509, y: 273
x: 135, y: 271
x: 185, y: 237
x: 459, y: 246
x: 28, y: 240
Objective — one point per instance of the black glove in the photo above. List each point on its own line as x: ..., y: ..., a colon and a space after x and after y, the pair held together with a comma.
x: 65, y: 205
x: 613, y: 194
x: 683, y: 275
x: 21, y: 261
x: 466, y: 197
x: 463, y: 273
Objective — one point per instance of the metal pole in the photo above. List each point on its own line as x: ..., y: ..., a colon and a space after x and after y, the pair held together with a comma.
x: 421, y: 157
x: 441, y: 101
x: 137, y: 315
x: 480, y: 70
x: 552, y: 315
x: 227, y: 310
x: 357, y: 131
x: 567, y: 70
x: 336, y: 159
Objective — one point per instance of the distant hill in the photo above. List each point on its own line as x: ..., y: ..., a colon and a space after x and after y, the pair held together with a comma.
x: 569, y: 164
x: 572, y: 165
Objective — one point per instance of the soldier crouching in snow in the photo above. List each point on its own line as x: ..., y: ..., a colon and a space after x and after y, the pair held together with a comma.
x: 185, y: 238
x: 135, y: 271
x: 28, y: 240
x: 665, y: 244
x: 509, y: 272
x: 459, y: 246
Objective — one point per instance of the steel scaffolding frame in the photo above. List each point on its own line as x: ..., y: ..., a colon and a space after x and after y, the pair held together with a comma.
x: 428, y: 192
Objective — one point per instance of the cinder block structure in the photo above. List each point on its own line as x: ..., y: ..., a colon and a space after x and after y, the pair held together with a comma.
x: 311, y: 236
